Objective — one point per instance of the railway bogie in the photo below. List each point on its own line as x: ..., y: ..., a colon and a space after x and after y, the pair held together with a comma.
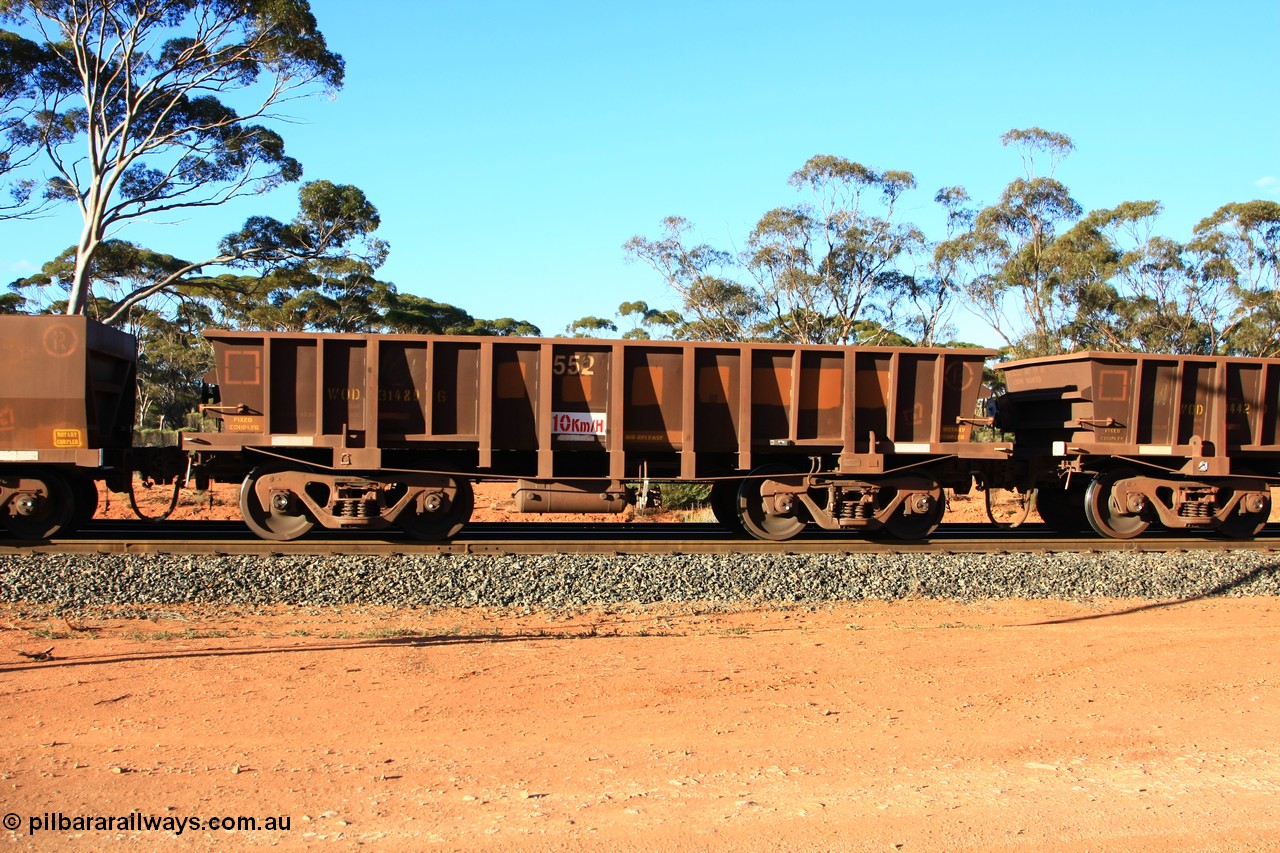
x: 282, y: 501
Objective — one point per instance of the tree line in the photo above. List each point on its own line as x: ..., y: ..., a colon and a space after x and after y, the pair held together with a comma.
x: 845, y: 266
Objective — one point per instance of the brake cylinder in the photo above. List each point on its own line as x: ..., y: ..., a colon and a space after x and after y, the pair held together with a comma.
x: 570, y: 497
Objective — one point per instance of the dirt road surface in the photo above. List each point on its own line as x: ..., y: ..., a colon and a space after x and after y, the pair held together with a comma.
x: 917, y: 725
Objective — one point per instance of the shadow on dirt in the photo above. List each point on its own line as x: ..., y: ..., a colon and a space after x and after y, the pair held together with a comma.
x: 54, y: 661
x: 1212, y: 592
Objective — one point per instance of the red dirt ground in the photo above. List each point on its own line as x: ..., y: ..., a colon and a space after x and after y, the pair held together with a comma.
x: 874, y: 726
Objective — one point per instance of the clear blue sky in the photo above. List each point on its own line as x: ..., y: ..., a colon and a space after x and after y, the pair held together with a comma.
x: 512, y: 148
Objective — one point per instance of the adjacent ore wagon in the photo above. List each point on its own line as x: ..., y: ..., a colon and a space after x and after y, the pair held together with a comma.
x: 369, y: 431
x: 67, y: 396
x: 1122, y: 440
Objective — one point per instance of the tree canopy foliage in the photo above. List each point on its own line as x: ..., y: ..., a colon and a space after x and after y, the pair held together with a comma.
x: 21, y: 66
x: 149, y: 107
x: 827, y: 270
x: 845, y: 266
x: 328, y: 247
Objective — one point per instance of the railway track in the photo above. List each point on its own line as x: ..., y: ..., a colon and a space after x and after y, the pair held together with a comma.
x: 232, y: 538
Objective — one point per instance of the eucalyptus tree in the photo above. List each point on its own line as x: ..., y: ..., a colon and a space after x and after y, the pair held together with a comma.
x: 934, y: 295
x: 1135, y: 290
x: 153, y: 107
x: 173, y: 361
x: 590, y: 327
x: 295, y: 300
x: 1000, y: 262
x: 831, y: 269
x: 24, y: 64
x: 1167, y: 309
x: 329, y: 243
x: 716, y: 307
x: 118, y: 267
x: 423, y: 316
x: 1083, y: 264
x: 645, y: 321
x: 836, y: 261
x: 1236, y: 251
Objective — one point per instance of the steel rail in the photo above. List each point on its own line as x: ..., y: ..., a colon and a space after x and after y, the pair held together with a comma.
x: 530, y: 538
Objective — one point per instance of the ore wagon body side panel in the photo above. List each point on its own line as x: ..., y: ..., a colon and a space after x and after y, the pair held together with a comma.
x: 717, y: 383
x: 551, y: 408
x: 374, y: 430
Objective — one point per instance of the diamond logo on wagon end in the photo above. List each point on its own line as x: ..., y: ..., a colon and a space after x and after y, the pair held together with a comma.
x: 7, y: 421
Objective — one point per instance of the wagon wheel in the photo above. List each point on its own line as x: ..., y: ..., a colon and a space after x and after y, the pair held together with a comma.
x: 1104, y: 514
x: 279, y: 516
x: 441, y: 518
x: 1246, y: 525
x: 1062, y: 509
x: 918, y: 524
x: 754, y: 514
x: 724, y: 505
x: 44, y: 512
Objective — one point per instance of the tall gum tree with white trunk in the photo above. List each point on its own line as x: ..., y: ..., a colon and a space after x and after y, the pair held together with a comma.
x: 150, y: 107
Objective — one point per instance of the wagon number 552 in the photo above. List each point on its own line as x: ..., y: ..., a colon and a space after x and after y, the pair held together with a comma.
x: 579, y: 363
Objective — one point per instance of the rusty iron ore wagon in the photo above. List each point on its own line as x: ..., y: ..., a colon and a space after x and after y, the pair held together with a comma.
x: 67, y: 398
x: 376, y: 431
x: 1123, y: 440
x: 369, y: 431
